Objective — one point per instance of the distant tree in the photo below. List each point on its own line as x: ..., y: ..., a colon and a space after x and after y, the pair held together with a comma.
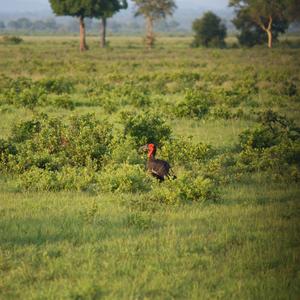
x: 39, y: 25
x: 165, y: 26
x: 115, y: 26
x: 51, y: 24
x: 105, y: 9
x: 2, y: 25
x: 268, y: 15
x: 252, y: 34
x: 153, y: 10
x: 47, y: 25
x: 78, y: 8
x: 209, y: 31
x: 22, y: 23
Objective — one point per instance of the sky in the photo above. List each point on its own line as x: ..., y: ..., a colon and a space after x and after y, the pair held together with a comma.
x: 21, y: 6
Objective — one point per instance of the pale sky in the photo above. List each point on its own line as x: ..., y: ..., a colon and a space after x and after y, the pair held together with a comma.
x: 11, y: 6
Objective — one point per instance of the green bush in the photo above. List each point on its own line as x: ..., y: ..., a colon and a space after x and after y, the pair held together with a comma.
x: 124, y: 178
x: 14, y: 40
x: 61, y: 101
x: 186, y: 188
x: 27, y: 93
x: 196, y: 104
x: 124, y: 150
x: 7, y: 152
x: 221, y: 169
x: 30, y: 97
x: 184, y: 151
x: 22, y: 92
x: 220, y: 112
x: 68, y: 178
x: 274, y: 146
x: 271, y: 130
x: 26, y: 130
x: 133, y: 93
x: 241, y: 91
x: 49, y: 144
x: 146, y: 127
x: 57, y: 85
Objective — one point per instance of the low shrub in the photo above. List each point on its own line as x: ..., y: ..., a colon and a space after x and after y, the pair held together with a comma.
x: 26, y: 129
x: 133, y: 93
x: 220, y: 112
x: 61, y: 101
x: 7, y: 152
x: 13, y: 40
x: 184, y: 151
x: 124, y: 150
x: 22, y: 92
x: 68, y: 178
x: 186, y: 188
x: 124, y: 178
x: 146, y: 127
x: 274, y: 146
x: 49, y: 144
x: 57, y: 85
x: 196, y: 104
x: 234, y: 93
x: 27, y: 93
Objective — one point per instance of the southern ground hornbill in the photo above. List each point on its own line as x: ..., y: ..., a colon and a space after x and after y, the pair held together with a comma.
x: 158, y: 168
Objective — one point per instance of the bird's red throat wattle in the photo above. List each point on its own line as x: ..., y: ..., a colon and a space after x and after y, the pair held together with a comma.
x: 151, y: 152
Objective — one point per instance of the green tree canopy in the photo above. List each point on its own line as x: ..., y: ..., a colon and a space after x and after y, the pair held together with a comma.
x: 78, y: 8
x: 153, y: 10
x: 104, y: 9
x: 268, y: 14
x: 251, y: 33
x: 209, y: 31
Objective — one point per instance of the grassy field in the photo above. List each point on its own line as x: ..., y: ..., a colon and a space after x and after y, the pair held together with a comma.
x: 231, y: 230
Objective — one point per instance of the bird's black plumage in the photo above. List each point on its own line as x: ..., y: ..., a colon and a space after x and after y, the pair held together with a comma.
x: 160, y: 169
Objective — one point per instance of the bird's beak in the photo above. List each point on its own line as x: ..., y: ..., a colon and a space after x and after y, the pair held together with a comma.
x: 143, y: 148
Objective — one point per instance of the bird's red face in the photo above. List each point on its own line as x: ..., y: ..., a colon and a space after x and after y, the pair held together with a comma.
x: 150, y: 148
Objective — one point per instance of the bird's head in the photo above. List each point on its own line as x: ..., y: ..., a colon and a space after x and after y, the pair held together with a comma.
x: 150, y: 148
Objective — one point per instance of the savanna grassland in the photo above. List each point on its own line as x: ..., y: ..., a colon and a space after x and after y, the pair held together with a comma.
x: 80, y: 218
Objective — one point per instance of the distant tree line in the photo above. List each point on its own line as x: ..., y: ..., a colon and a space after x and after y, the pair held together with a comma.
x: 27, y: 24
x: 258, y: 21
x: 50, y: 25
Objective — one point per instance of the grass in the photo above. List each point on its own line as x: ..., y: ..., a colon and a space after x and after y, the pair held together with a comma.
x: 70, y: 245
x: 86, y: 245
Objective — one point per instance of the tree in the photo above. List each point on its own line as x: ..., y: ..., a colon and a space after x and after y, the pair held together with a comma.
x: 209, y: 31
x: 268, y: 14
x: 22, y: 23
x: 153, y: 10
x: 105, y: 9
x: 78, y: 8
x: 252, y: 34
x: 2, y: 25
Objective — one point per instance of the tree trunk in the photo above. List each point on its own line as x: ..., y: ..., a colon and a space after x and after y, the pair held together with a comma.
x: 150, y: 34
x: 270, y: 38
x: 83, y: 45
x: 268, y: 30
x: 103, y: 32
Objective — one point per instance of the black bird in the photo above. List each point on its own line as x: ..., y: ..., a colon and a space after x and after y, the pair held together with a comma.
x: 158, y: 168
